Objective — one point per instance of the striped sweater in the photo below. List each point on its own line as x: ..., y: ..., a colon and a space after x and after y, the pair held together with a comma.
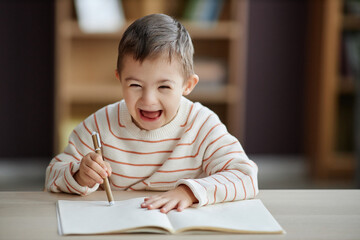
x: 194, y: 149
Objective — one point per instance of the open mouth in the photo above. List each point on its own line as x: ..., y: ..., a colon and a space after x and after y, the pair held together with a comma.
x: 150, y: 115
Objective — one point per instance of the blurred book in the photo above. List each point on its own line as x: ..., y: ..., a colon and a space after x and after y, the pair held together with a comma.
x: 203, y: 11
x: 99, y: 16
x: 352, y: 7
x: 349, y: 62
x: 350, y: 58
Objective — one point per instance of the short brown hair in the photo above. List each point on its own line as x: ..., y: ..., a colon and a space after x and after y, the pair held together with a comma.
x: 154, y: 35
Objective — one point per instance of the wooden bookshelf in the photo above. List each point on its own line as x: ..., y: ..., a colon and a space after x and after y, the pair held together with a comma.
x: 85, y: 64
x: 325, y: 89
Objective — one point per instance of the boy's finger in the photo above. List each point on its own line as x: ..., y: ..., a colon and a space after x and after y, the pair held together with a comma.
x: 90, y: 182
x: 97, y: 168
x: 109, y: 169
x: 93, y: 156
x: 182, y: 205
x: 158, y: 203
x: 145, y: 203
x: 150, y: 200
x: 92, y: 175
x: 98, y: 158
x: 169, y: 206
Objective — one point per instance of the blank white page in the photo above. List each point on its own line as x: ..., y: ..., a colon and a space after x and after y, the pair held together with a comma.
x: 93, y: 217
x: 248, y: 216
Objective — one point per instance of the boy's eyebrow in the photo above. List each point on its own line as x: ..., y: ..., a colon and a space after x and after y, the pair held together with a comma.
x: 131, y: 79
x: 167, y: 81
x: 160, y: 81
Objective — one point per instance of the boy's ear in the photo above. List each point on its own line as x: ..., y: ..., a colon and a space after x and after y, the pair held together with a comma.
x: 190, y: 84
x: 117, y: 74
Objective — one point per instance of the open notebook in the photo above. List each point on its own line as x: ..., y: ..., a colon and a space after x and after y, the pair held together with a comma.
x: 96, y: 217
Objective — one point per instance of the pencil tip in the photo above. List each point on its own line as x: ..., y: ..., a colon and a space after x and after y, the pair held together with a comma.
x: 111, y: 203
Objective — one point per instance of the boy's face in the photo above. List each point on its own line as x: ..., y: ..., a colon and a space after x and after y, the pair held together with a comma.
x: 152, y: 89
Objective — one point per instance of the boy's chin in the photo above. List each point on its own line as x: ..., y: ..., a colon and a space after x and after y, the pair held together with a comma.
x: 151, y: 128
x: 148, y: 127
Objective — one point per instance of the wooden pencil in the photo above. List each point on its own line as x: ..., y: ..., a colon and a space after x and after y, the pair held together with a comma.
x: 106, y: 185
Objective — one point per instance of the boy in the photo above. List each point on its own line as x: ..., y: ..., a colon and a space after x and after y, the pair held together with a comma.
x: 156, y: 139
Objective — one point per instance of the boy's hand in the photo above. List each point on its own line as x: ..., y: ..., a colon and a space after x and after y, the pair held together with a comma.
x: 92, y: 170
x: 179, y: 198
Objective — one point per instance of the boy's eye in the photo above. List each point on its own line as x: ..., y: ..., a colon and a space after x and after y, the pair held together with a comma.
x: 164, y: 87
x: 134, y: 85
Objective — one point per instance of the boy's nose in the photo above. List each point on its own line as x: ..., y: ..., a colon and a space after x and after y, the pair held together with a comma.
x: 149, y: 98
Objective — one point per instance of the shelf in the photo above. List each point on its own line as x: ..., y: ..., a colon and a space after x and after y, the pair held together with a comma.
x: 93, y: 93
x: 346, y: 85
x: 351, y: 22
x: 330, y: 109
x: 217, y: 30
x: 343, y: 165
x: 211, y: 93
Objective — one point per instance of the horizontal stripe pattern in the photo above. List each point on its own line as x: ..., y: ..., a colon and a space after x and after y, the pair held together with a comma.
x: 194, y: 149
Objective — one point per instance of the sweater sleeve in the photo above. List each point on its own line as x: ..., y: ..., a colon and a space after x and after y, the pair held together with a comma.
x: 61, y: 170
x: 229, y: 174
